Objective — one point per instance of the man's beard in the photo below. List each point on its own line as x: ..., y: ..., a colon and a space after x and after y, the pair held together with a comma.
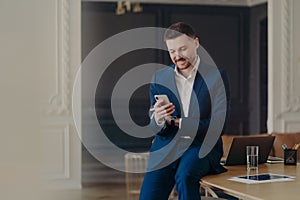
x: 187, y: 65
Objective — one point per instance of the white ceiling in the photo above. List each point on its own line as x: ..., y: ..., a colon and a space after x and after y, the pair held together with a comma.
x: 247, y: 3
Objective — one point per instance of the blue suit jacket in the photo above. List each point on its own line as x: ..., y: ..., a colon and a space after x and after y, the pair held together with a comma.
x: 200, y: 110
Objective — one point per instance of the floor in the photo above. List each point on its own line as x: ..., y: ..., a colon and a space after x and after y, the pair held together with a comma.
x: 97, y: 192
x: 107, y: 192
x: 101, y: 182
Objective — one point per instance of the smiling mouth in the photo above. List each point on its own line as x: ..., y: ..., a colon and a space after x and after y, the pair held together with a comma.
x: 181, y: 60
x: 182, y: 64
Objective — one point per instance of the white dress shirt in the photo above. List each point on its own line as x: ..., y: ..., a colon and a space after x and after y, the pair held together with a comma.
x: 185, y: 87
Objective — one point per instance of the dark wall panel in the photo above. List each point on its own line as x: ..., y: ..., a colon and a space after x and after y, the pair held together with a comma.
x: 225, y: 32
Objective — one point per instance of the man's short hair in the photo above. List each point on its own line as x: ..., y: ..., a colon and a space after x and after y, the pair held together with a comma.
x: 178, y: 29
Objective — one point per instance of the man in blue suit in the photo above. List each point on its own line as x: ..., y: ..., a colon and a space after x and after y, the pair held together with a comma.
x: 185, y: 126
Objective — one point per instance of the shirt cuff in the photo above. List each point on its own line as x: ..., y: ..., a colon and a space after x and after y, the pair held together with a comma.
x: 180, y: 119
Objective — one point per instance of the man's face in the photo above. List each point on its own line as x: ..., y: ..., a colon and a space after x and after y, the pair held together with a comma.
x: 183, y: 51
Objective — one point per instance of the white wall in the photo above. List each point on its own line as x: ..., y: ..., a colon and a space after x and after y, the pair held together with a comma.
x: 284, y: 66
x: 19, y: 45
x: 62, y: 147
x: 39, y: 53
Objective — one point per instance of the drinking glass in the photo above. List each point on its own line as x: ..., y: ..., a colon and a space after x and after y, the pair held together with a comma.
x: 252, y: 157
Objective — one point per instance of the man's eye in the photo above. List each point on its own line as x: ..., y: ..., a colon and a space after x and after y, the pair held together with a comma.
x: 183, y: 49
x: 172, y: 52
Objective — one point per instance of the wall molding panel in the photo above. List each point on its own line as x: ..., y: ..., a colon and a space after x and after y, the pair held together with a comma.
x: 290, y: 101
x: 60, y: 101
x: 291, y: 125
x: 284, y: 99
x: 57, y: 150
x: 61, y: 138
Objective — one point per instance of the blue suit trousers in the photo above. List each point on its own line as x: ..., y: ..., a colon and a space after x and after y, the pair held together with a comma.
x: 184, y: 173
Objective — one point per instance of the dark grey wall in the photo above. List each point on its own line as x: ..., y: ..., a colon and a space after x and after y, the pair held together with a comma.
x: 235, y: 37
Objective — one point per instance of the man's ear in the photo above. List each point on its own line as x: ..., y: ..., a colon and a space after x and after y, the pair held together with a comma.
x: 196, y: 40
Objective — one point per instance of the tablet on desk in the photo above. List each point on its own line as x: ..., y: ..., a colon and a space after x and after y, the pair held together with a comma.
x: 262, y: 178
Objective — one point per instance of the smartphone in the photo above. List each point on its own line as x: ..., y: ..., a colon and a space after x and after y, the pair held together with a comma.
x: 162, y: 97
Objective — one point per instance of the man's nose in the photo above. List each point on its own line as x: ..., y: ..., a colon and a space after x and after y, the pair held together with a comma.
x: 177, y: 55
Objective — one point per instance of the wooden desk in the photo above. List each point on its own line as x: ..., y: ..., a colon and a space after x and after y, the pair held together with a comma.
x: 268, y: 191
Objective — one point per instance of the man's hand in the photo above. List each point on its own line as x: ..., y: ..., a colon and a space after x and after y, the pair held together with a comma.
x: 163, y: 111
x: 176, y: 121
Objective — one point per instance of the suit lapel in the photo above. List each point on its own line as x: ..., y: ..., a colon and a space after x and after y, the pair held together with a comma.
x: 172, y: 86
x: 198, y: 83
